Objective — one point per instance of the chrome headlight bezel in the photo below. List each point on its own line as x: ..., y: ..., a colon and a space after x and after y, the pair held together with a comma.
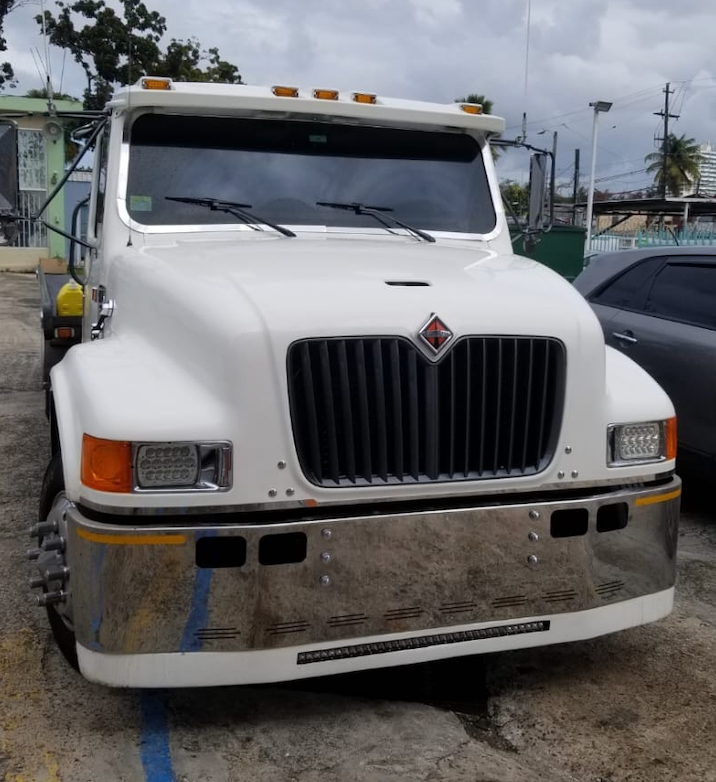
x: 649, y: 447
x: 213, y: 473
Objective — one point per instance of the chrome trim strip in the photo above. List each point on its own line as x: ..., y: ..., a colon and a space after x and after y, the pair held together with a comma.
x: 406, y: 497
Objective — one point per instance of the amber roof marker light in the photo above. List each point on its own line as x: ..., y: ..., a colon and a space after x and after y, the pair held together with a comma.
x: 285, y: 92
x: 149, y: 83
x: 365, y: 97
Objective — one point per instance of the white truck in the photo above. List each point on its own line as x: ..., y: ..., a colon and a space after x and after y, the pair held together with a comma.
x: 322, y: 418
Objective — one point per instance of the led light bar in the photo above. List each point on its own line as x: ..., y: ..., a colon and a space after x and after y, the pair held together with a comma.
x: 420, y: 642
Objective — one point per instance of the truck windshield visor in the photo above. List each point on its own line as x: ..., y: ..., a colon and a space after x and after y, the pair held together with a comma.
x: 430, y: 179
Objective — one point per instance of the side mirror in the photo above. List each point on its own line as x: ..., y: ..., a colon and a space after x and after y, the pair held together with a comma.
x: 538, y: 181
x: 78, y: 231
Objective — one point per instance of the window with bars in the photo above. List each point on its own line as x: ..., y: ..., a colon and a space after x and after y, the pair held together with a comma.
x: 32, y: 171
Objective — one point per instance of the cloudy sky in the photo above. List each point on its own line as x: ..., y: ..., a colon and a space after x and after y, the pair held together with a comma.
x: 623, y: 51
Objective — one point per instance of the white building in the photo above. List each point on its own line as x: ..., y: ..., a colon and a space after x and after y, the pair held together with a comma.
x: 706, y: 183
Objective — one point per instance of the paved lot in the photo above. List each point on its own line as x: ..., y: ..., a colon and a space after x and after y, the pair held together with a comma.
x: 636, y: 707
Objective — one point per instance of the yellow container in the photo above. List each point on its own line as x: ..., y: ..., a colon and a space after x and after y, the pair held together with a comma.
x: 69, y: 300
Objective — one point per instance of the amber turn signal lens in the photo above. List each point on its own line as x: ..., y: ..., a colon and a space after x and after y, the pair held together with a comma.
x: 471, y: 108
x: 156, y: 84
x: 364, y: 97
x: 671, y: 438
x: 106, y: 464
x: 285, y: 92
x: 326, y: 94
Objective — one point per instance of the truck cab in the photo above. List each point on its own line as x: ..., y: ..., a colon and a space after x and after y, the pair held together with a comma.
x: 322, y: 417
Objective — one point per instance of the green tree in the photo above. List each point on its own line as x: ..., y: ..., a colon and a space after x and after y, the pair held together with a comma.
x: 182, y: 61
x: 473, y: 97
x: 117, y: 49
x: 7, y: 75
x: 683, y: 157
x: 516, y: 197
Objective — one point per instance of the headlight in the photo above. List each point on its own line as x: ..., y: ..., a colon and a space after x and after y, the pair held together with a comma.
x: 182, y: 466
x: 110, y: 465
x: 641, y: 443
x: 166, y: 464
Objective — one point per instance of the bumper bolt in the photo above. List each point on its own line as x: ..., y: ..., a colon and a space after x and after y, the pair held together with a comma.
x: 54, y: 544
x: 532, y: 560
x: 51, y: 598
x: 43, y: 528
x: 57, y: 574
x: 324, y: 581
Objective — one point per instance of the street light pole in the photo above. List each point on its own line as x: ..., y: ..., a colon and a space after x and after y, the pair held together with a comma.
x: 598, y: 106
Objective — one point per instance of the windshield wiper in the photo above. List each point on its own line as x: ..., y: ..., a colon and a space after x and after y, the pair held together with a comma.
x: 379, y: 213
x: 232, y: 208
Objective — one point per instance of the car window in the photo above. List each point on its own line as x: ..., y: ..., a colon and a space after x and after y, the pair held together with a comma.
x: 685, y: 292
x: 628, y: 290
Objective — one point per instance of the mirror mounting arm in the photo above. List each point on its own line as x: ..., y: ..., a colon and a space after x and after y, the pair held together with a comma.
x: 99, y: 127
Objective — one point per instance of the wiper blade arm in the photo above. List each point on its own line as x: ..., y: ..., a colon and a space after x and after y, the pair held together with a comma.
x: 379, y: 213
x: 232, y: 208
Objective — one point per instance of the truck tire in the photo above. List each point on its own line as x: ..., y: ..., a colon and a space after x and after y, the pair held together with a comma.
x: 51, y: 355
x: 53, y: 485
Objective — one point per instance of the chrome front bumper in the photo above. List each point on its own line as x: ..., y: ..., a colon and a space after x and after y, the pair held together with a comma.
x: 329, y: 581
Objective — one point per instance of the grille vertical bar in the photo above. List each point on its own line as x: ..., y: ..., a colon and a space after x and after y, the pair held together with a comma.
x: 363, y: 411
x: 379, y: 400
x: 528, y: 406
x: 349, y: 447
x: 310, y: 410
x: 333, y: 468
x: 376, y: 410
x: 431, y: 426
x: 413, y: 416
x: 397, y: 409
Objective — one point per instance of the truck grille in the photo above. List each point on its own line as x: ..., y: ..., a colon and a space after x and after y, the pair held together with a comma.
x: 369, y: 411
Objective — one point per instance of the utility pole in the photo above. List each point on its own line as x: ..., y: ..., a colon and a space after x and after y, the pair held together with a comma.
x: 665, y: 140
x: 575, y: 191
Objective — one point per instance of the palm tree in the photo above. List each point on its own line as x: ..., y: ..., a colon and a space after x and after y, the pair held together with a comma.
x: 683, y: 158
x: 473, y: 97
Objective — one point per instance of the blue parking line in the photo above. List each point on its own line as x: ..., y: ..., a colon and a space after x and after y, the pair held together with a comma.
x: 154, y: 747
x: 199, y: 609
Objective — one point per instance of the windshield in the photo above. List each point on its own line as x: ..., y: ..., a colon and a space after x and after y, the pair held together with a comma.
x: 433, y: 180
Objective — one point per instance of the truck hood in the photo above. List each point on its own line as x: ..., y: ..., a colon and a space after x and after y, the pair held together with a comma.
x: 196, y: 348
x: 289, y: 288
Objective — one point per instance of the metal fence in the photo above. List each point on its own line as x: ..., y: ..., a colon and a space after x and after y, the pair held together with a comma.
x: 30, y: 233
x: 693, y: 236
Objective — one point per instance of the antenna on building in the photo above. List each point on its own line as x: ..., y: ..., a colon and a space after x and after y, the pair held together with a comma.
x: 48, y: 76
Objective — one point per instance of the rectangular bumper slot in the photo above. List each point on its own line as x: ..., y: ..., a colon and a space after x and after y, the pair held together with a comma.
x: 212, y: 552
x: 612, y: 517
x: 289, y: 547
x: 569, y: 523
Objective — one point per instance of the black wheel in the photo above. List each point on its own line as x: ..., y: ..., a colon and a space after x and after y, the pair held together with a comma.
x: 51, y: 500
x: 51, y: 355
